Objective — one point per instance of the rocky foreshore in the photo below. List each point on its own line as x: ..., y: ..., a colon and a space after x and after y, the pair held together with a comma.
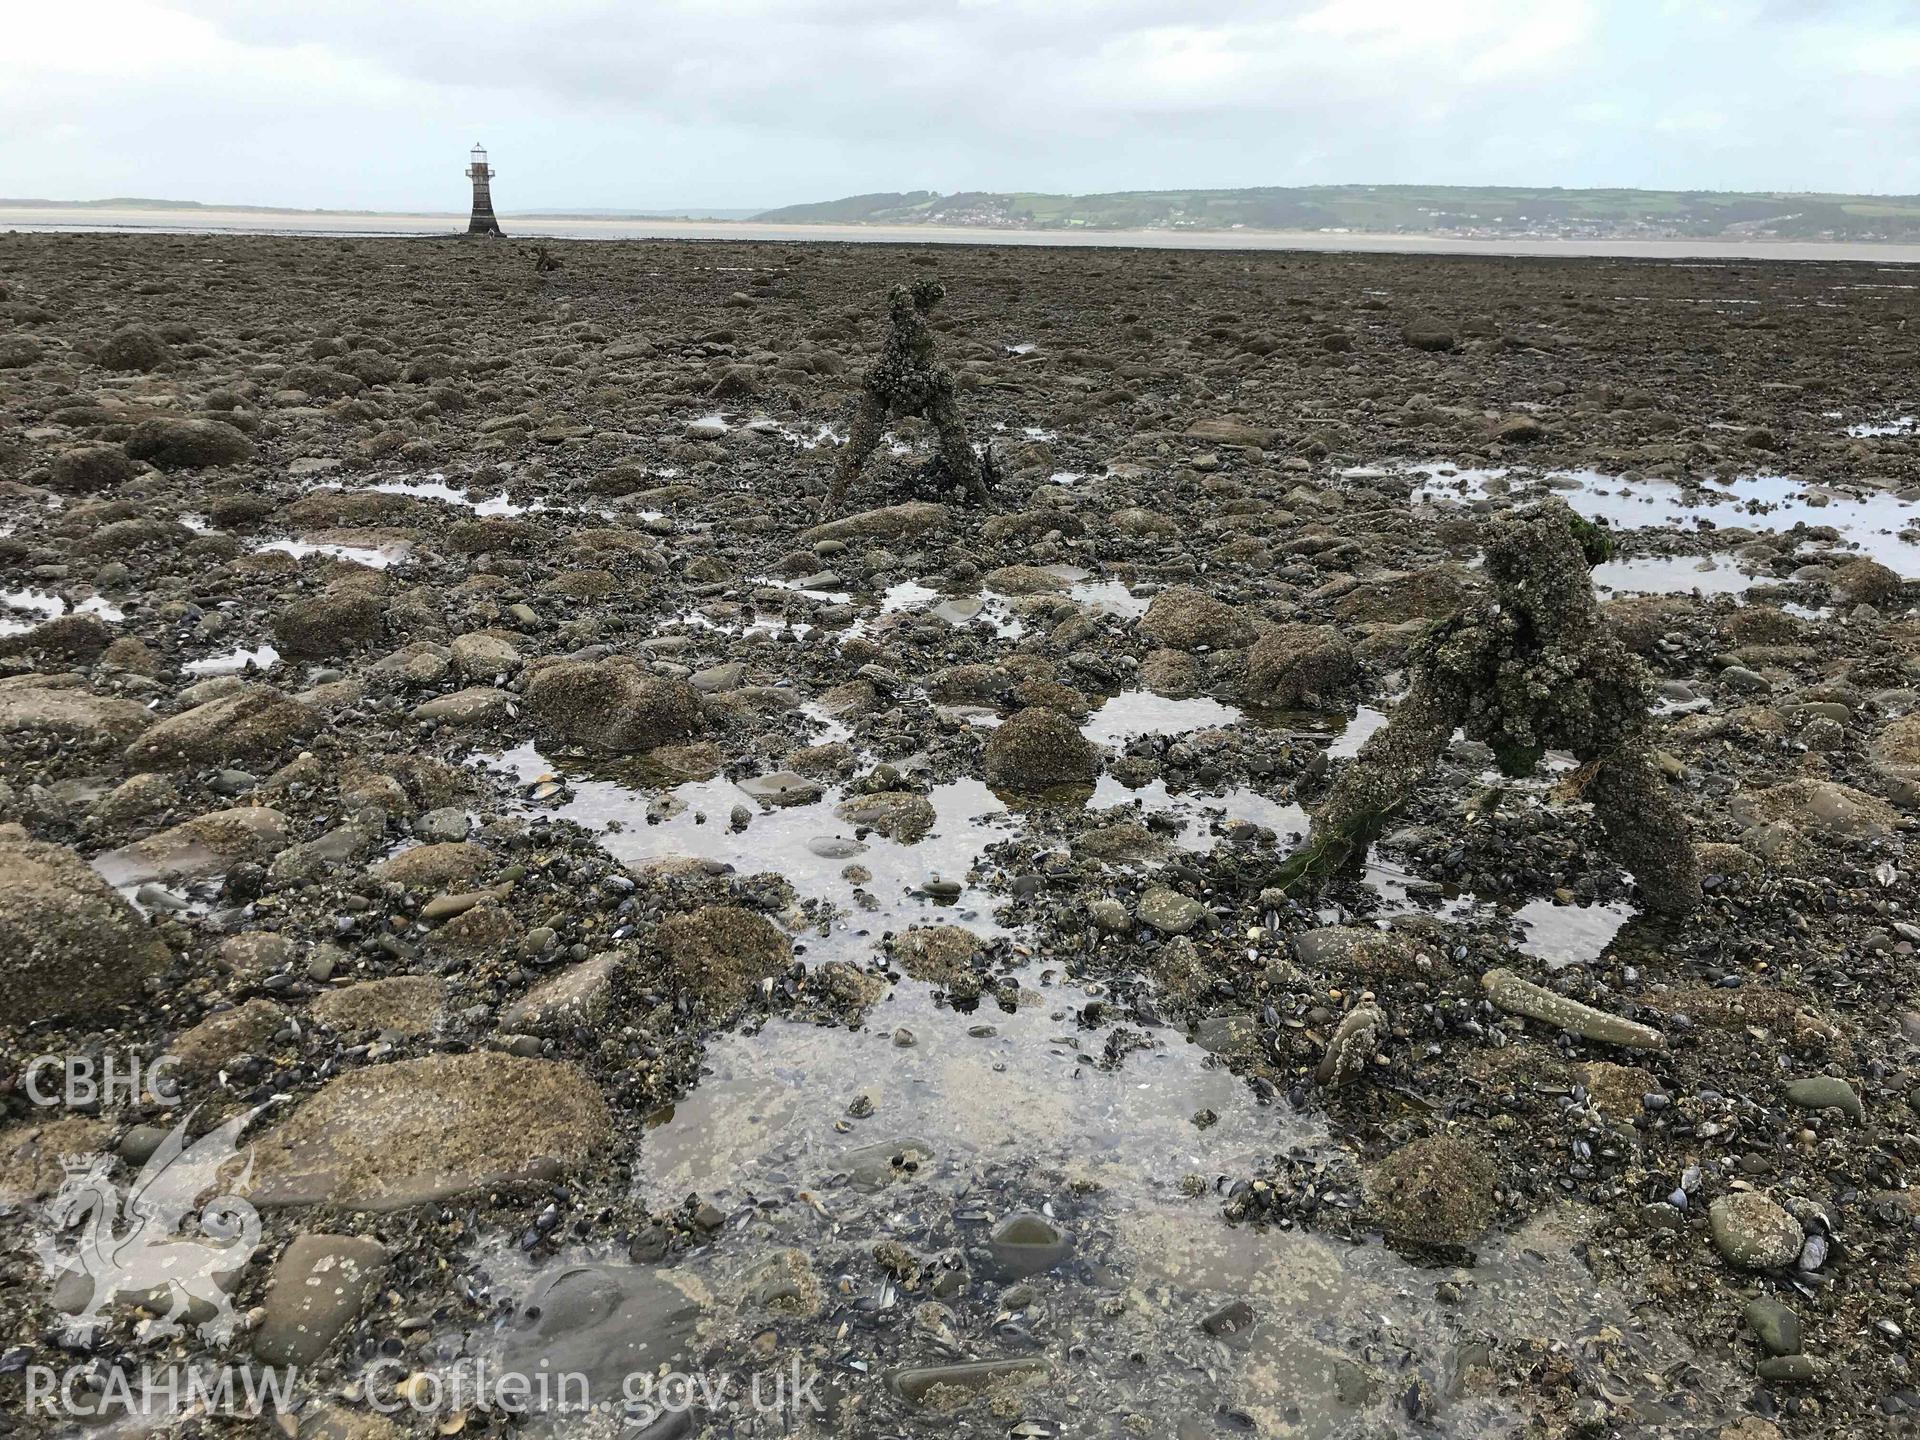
x: 636, y: 918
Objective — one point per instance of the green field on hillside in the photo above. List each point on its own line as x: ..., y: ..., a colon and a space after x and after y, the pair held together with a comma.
x: 1398, y: 210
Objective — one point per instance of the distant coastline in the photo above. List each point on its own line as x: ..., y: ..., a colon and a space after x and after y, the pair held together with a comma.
x: 1413, y: 214
x: 156, y: 217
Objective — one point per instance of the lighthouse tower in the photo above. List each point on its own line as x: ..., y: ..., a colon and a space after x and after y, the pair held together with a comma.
x: 482, y: 222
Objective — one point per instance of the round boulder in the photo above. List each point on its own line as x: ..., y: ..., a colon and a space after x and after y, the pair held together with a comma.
x: 334, y: 622
x: 133, y: 348
x: 613, y: 705
x: 1184, y: 618
x: 1038, y: 749
x: 1298, y: 664
x: 1753, y: 1232
x: 721, y: 953
x: 1437, y: 1191
x: 188, y: 444
x: 70, y: 946
x: 89, y: 469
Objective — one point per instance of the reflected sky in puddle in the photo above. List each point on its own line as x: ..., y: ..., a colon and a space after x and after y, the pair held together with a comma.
x: 1106, y: 596
x: 1064, y: 1107
x: 1114, y: 1133
x: 907, y: 595
x: 825, y: 597
x: 1872, y: 521
x: 36, y: 607
x: 373, y: 557
x: 1103, y: 596
x: 435, y: 487
x: 929, y: 880
x: 1134, y: 713
x: 1402, y: 892
x: 264, y: 657
x: 1899, y: 425
x: 1672, y: 575
x: 1021, y: 1093
x: 1204, y: 817
x: 1562, y: 935
x: 910, y: 597
x: 1347, y: 743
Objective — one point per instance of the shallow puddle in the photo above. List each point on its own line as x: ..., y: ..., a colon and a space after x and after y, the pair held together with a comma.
x: 1871, y: 523
x: 435, y: 487
x: 1402, y: 892
x: 40, y: 607
x: 1054, y: 1179
x: 373, y: 557
x: 987, y: 1088
x: 1028, y: 1182
x: 1562, y: 935
x: 263, y: 657
x: 907, y: 595
x: 1899, y: 425
x: 1201, y: 820
x: 931, y: 879
x: 1673, y: 575
x: 1134, y: 713
x: 1347, y: 743
x: 799, y: 587
x: 1105, y: 596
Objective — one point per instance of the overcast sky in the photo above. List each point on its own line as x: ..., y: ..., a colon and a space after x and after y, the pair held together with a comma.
x: 372, y: 104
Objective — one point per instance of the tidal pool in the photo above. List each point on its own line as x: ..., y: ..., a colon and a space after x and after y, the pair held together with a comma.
x: 1873, y: 523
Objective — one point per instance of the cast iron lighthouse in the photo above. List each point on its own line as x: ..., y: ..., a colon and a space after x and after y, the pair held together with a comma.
x: 482, y: 222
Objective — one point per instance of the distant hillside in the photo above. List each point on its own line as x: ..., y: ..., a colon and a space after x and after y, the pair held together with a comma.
x: 882, y: 207
x: 1397, y: 210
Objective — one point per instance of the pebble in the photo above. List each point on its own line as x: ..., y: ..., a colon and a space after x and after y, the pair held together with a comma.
x: 1025, y: 1244
x: 1826, y: 1092
x: 1229, y: 1319
x: 1522, y: 997
x: 1753, y: 1232
x: 1170, y: 912
x: 1813, y: 1253
x: 1777, y: 1327
x: 1788, y: 1369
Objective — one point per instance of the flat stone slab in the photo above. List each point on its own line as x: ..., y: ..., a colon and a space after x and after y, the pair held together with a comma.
x: 416, y: 1131
x: 888, y: 523
x: 403, y: 1004
x: 781, y: 787
x: 474, y: 706
x: 30, y: 710
x: 578, y: 994
x: 319, y: 1286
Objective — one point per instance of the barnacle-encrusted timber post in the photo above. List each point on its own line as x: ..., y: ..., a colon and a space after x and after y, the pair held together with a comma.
x: 905, y: 381
x: 1532, y: 667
